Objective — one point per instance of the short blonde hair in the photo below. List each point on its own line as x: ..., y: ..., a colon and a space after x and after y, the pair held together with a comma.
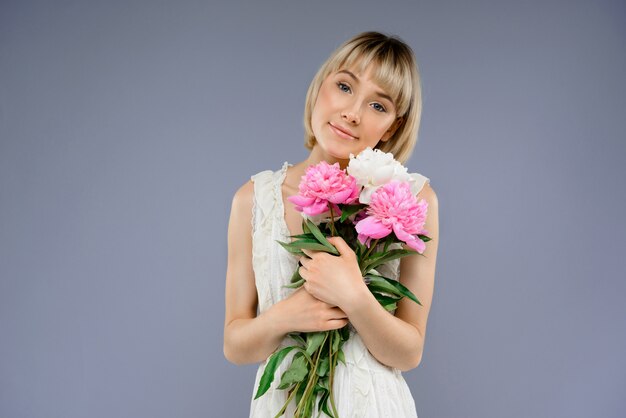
x: 395, y: 71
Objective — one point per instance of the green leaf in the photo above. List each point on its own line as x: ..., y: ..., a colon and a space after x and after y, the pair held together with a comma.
x: 322, y: 403
x: 297, y: 371
x: 297, y: 337
x: 378, y: 283
x: 324, y: 382
x: 270, y: 368
x: 424, y: 238
x: 322, y: 367
x: 289, y: 247
x: 336, y: 340
x: 341, y: 357
x: 314, y: 340
x: 387, y: 302
x: 316, y: 246
x: 386, y: 257
x: 387, y: 243
x: 318, y: 388
x: 325, y: 408
x: 345, y: 333
x: 360, y: 249
x: 390, y: 306
x: 321, y: 238
x: 394, y: 287
x: 300, y: 392
x: 349, y: 210
x: 307, y: 404
x: 295, y: 285
x: 295, y: 277
x: 306, y: 236
x: 305, y: 227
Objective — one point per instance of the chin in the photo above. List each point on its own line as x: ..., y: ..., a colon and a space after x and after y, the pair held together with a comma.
x: 339, y: 152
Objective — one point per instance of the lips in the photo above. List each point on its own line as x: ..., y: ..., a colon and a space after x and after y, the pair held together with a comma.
x: 342, y: 132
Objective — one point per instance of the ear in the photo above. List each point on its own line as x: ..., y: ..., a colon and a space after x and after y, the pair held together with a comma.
x: 392, y: 129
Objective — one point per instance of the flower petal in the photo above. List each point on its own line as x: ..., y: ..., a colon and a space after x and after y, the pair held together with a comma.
x: 316, y: 208
x: 417, y: 244
x: 301, y: 200
x: 372, y: 227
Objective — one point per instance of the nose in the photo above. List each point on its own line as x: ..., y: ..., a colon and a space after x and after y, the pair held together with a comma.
x: 351, y: 115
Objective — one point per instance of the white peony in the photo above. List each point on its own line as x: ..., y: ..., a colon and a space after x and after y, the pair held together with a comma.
x: 373, y: 168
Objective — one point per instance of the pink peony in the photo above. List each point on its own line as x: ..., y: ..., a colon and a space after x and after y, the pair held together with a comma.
x: 394, y: 208
x: 323, y: 184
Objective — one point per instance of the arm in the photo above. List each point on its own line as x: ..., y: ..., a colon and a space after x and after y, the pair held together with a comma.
x: 248, y: 338
x: 398, y: 341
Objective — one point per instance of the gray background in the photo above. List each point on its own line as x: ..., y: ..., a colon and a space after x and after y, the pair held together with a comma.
x: 126, y: 127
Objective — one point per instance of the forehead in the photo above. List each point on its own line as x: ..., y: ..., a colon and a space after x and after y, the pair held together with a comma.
x: 363, y: 69
x: 353, y: 74
x: 370, y: 64
x: 365, y: 74
x: 371, y: 72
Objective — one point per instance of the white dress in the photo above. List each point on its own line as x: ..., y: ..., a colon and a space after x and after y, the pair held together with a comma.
x: 364, y: 387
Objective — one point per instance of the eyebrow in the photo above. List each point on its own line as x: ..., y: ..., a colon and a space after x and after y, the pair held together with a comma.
x: 356, y: 80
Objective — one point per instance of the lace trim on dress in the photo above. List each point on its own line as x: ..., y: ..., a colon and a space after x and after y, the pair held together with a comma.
x: 278, y: 195
x: 258, y: 179
x: 261, y: 230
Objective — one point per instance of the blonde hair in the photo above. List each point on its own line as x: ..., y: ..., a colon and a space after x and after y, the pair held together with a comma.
x: 395, y: 71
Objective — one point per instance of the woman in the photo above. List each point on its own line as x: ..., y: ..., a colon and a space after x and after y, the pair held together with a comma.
x: 367, y: 94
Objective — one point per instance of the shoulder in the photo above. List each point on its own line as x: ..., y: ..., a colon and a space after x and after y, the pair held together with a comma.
x: 432, y: 219
x: 254, y: 188
x: 428, y: 194
x: 243, y: 198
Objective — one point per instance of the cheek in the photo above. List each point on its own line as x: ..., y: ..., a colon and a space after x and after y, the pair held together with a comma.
x: 376, y: 128
x: 387, y: 124
x: 329, y: 93
x: 321, y: 107
x: 323, y: 100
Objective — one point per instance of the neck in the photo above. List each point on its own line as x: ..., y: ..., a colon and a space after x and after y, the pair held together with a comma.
x: 317, y: 155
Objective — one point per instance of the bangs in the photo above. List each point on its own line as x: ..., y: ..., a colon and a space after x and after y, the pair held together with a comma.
x: 391, y: 70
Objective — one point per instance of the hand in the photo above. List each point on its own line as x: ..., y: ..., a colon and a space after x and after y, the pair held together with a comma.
x: 335, y: 280
x: 303, y: 312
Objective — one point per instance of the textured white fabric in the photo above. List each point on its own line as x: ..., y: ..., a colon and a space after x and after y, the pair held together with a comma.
x: 364, y: 387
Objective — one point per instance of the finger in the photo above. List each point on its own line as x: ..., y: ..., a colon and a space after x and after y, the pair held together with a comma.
x: 338, y: 313
x: 307, y: 287
x: 340, y: 244
x: 303, y: 273
x: 337, y: 323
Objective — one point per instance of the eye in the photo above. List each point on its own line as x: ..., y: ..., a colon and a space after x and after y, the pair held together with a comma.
x: 342, y: 85
x: 379, y: 107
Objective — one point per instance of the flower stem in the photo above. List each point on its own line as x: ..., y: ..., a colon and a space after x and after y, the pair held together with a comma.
x: 370, y: 249
x: 387, y: 241
x: 332, y: 221
x: 333, y: 359
x: 312, y: 380
x: 284, y: 408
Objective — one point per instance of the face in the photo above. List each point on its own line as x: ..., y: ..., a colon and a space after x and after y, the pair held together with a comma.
x: 352, y: 113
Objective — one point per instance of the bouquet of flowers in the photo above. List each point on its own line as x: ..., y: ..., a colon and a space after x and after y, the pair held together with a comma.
x: 371, y: 204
